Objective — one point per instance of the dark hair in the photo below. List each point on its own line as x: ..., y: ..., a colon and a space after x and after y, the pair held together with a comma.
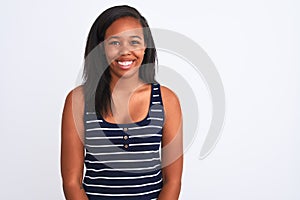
x: 96, y: 74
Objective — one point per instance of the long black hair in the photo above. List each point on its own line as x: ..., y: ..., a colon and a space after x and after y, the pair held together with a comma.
x: 96, y: 74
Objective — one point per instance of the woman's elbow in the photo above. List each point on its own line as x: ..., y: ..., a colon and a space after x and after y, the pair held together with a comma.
x: 71, y: 184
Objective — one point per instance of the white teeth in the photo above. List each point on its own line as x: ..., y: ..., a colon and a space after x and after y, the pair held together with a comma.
x: 125, y: 62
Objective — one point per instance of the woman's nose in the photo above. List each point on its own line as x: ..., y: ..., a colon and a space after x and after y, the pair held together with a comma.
x: 125, y: 49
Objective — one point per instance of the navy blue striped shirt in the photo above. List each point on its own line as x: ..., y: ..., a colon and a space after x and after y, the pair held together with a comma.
x: 123, y: 160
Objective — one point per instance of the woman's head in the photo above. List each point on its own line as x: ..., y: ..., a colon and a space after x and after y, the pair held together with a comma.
x: 96, y: 71
x: 124, y: 47
x: 105, y: 19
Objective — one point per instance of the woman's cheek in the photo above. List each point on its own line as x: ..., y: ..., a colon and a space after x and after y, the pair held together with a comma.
x: 111, y: 54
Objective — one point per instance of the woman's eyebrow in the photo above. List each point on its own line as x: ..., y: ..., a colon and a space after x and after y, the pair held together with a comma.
x: 118, y: 37
x: 113, y: 37
x: 136, y: 36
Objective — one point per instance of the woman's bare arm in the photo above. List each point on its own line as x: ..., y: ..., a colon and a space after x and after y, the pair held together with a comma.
x: 172, y: 151
x: 72, y: 148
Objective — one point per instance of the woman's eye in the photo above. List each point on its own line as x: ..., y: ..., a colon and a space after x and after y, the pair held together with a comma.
x: 135, y: 42
x: 115, y: 43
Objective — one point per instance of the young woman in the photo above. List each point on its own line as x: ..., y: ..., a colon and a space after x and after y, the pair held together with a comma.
x: 120, y: 123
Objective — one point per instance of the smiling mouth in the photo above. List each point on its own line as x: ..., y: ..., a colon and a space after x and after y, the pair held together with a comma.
x: 125, y: 64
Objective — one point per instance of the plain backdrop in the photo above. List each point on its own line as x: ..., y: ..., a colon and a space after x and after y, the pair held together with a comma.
x: 254, y: 45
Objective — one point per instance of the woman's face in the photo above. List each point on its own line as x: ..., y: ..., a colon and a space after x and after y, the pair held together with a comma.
x: 124, y: 46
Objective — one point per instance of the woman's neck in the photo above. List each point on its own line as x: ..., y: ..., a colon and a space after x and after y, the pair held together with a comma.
x: 125, y: 85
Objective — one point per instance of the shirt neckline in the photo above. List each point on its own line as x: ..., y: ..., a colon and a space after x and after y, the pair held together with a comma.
x: 131, y: 123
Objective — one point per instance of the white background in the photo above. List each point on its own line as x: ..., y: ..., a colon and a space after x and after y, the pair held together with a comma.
x: 254, y: 45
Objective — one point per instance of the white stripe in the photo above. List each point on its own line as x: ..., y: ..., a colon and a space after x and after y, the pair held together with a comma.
x: 155, y: 118
x: 96, y: 120
x: 107, y: 145
x: 144, y: 144
x: 155, y: 102
x: 155, y: 88
x: 130, y: 177
x: 155, y: 95
x: 156, y: 110
x: 136, y: 194
x: 141, y: 127
x: 123, y: 186
x: 146, y: 135
x: 104, y: 129
x: 101, y: 138
x: 113, y: 161
x: 123, y: 169
x: 90, y: 113
x: 123, y: 152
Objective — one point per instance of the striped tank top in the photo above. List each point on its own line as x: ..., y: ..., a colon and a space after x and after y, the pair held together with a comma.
x: 123, y: 161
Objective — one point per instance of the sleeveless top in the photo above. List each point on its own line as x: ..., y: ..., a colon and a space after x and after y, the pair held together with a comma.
x: 123, y: 161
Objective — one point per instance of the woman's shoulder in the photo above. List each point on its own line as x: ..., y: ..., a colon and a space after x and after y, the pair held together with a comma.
x: 169, y: 97
x: 76, y: 93
x: 73, y: 111
x: 75, y: 98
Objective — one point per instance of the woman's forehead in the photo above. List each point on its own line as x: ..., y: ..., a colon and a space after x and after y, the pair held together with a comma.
x: 124, y: 27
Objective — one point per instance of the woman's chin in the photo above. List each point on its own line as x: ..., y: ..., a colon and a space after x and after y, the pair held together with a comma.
x: 126, y: 72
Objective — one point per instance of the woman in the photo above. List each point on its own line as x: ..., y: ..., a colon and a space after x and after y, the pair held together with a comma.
x: 121, y: 124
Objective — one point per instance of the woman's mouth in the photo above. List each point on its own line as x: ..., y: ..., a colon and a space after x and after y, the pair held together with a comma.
x: 125, y: 64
